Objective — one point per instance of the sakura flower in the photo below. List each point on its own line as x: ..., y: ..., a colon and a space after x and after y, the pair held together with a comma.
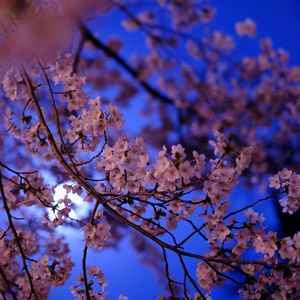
x: 285, y: 174
x: 219, y: 145
x: 97, y: 236
x: 221, y: 231
x: 287, y: 250
x: 171, y: 174
x: 291, y: 202
x: 186, y: 171
x: 248, y: 269
x: 96, y: 272
x: 161, y: 166
x: 296, y: 240
x: 246, y: 28
x: 275, y: 182
x: 115, y: 117
x: 206, y: 276
x: 265, y: 244
x: 200, y: 163
x: 178, y: 153
x: 244, y: 159
x: 10, y: 84
x: 254, y: 216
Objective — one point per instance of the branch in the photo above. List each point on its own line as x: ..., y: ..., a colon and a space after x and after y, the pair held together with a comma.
x: 186, y: 272
x: 117, y: 58
x: 85, y: 278
x: 7, y: 283
x: 168, y: 273
x: 12, y: 226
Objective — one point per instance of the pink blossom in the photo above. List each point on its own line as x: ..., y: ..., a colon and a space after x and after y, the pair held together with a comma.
x: 246, y: 28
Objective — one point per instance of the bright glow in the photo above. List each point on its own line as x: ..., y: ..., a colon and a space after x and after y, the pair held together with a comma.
x: 79, y: 208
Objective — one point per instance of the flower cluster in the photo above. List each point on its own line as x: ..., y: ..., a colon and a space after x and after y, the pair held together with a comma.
x: 97, y: 278
x: 290, y: 182
x: 124, y: 164
x: 97, y: 234
x: 92, y: 123
x: 182, y: 198
x: 290, y: 248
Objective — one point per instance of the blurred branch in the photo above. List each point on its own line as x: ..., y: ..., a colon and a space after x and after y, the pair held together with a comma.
x: 117, y: 58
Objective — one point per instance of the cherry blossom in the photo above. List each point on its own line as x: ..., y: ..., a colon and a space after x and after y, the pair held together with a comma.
x: 246, y: 28
x: 173, y: 185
